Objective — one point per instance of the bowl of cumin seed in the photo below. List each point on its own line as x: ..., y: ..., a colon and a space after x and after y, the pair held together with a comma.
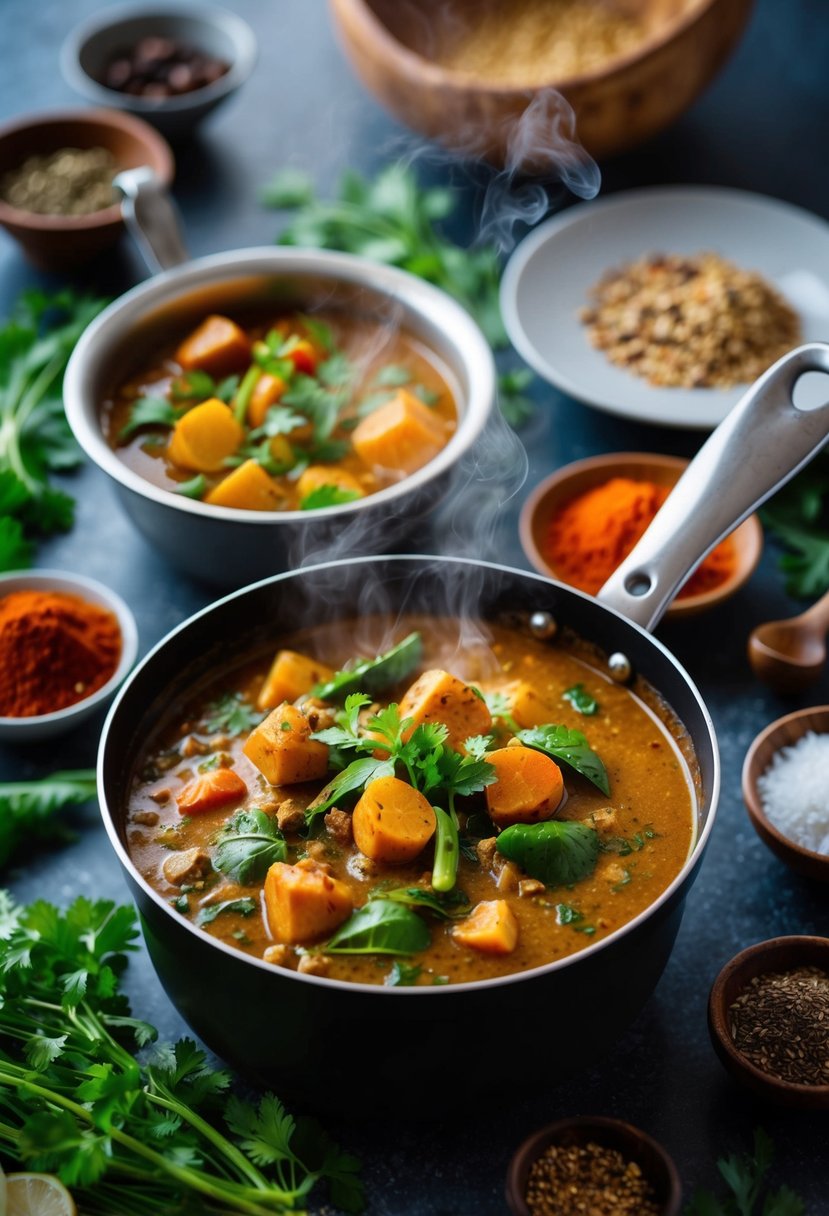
x: 768, y: 1017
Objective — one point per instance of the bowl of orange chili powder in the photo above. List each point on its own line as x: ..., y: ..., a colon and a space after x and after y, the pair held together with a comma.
x: 66, y: 643
x: 580, y: 523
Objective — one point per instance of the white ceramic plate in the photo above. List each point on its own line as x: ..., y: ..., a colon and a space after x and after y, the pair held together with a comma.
x: 549, y: 275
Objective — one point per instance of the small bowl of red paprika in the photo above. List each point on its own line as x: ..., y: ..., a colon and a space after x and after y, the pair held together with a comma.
x: 580, y: 523
x: 66, y: 643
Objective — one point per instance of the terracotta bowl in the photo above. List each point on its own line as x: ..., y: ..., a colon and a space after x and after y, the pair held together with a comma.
x: 632, y: 1143
x: 783, y: 733
x: 395, y: 48
x: 58, y: 242
x: 582, y: 475
x: 777, y: 954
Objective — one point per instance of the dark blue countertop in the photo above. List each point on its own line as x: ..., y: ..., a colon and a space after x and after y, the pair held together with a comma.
x: 761, y: 126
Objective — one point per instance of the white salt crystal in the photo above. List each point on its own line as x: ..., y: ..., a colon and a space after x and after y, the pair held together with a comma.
x: 794, y: 791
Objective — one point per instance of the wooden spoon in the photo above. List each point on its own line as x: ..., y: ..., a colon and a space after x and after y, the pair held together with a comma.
x: 790, y: 655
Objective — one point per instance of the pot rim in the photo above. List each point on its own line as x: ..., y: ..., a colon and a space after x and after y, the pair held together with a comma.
x: 415, y: 992
x: 108, y: 329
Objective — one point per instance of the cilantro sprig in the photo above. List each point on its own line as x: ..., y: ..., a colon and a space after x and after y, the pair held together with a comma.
x: 745, y: 1177
x: 28, y: 809
x: 161, y: 1136
x: 232, y: 714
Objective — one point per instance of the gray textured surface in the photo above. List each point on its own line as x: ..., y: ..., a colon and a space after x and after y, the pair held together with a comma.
x: 761, y: 126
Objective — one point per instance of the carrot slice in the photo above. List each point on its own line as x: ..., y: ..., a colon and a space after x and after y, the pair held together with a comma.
x: 528, y: 789
x: 210, y: 790
x: 393, y: 821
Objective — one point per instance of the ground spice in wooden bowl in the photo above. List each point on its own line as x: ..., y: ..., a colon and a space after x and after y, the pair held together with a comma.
x: 69, y: 181
x: 574, y: 1179
x: 55, y: 649
x: 780, y: 1023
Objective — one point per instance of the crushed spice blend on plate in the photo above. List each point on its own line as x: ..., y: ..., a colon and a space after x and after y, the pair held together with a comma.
x: 689, y: 321
x: 55, y: 650
x: 780, y: 1023
x: 574, y: 1179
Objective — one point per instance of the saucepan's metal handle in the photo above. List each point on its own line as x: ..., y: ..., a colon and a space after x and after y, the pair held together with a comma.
x: 762, y: 443
x: 151, y: 218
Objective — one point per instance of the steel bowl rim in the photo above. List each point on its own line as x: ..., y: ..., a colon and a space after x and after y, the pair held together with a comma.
x: 414, y: 992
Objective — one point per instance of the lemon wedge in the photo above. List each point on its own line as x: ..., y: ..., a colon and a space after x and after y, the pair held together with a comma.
x: 37, y: 1195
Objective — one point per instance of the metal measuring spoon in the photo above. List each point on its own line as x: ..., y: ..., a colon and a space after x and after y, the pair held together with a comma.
x: 790, y: 655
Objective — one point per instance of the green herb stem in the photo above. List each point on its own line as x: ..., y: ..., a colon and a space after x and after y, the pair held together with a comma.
x: 447, y: 851
x: 245, y: 391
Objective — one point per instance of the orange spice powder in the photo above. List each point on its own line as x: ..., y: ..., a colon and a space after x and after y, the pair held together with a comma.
x: 589, y: 536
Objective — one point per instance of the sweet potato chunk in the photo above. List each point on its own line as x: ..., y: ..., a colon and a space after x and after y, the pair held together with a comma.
x: 318, y: 475
x: 266, y: 392
x: 438, y: 696
x: 248, y: 487
x: 403, y: 435
x: 282, y: 749
x: 210, y: 790
x: 528, y: 789
x: 491, y: 927
x: 526, y: 705
x: 217, y: 346
x: 204, y: 437
x: 290, y: 676
x: 392, y: 821
x: 303, y: 902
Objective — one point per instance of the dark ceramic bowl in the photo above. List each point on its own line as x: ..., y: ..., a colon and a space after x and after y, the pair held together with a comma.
x: 783, y: 733
x: 634, y: 1145
x: 777, y: 954
x: 59, y: 242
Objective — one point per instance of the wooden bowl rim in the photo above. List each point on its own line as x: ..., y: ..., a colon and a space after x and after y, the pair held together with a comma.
x: 411, y: 62
x: 718, y: 1013
x: 530, y: 1148
x: 750, y: 539
x: 159, y: 157
x: 751, y: 797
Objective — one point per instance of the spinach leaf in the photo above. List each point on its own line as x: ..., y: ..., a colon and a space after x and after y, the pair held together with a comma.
x: 355, y: 777
x: 558, y: 852
x: 373, y: 675
x: 244, y: 906
x: 570, y: 746
x: 446, y: 906
x: 248, y: 844
x: 380, y: 927
x: 581, y: 700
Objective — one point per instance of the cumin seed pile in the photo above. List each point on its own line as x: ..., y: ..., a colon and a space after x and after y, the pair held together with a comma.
x: 579, y: 1179
x: 780, y: 1023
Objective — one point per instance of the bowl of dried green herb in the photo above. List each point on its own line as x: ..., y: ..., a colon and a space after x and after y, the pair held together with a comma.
x: 592, y: 1164
x: 768, y: 1016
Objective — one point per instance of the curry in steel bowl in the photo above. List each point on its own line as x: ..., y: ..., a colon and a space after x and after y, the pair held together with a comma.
x: 441, y: 813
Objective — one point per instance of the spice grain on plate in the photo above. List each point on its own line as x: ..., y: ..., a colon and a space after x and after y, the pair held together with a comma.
x: 591, y: 534
x: 793, y: 792
x: 69, y: 181
x: 55, y: 650
x: 780, y: 1023
x: 689, y: 321
x: 574, y: 1179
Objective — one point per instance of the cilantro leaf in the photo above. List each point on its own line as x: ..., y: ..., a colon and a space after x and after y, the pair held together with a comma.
x: 570, y: 746
x: 516, y: 407
x: 403, y: 975
x: 28, y: 808
x: 557, y: 852
x: 245, y: 906
x: 149, y: 411
x: 581, y: 700
x: 327, y: 496
x: 15, y: 550
x: 231, y: 714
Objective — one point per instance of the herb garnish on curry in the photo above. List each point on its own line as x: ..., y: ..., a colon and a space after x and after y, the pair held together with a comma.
x: 397, y: 822
x: 297, y: 412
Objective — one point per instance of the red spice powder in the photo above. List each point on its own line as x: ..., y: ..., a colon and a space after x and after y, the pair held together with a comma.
x: 589, y: 536
x: 55, y: 650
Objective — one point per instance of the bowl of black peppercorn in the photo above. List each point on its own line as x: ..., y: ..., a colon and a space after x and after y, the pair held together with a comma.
x: 593, y: 1164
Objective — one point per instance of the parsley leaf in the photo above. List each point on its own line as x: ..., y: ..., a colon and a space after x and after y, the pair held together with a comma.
x: 149, y: 411
x: 248, y: 844
x: 327, y: 496
x: 403, y: 975
x: 231, y: 714
x: 581, y: 700
x: 28, y: 808
x: 745, y: 1177
x: 516, y: 407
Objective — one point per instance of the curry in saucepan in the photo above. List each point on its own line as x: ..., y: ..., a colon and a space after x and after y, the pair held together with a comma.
x: 435, y: 814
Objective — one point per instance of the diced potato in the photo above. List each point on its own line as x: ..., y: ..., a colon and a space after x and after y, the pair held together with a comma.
x: 282, y: 749
x: 204, y: 437
x: 267, y: 391
x: 392, y: 822
x: 403, y: 435
x: 217, y: 346
x: 438, y: 696
x: 303, y: 901
x: 290, y: 676
x: 491, y: 928
x: 526, y: 705
x: 529, y: 786
x: 318, y: 475
x: 249, y: 487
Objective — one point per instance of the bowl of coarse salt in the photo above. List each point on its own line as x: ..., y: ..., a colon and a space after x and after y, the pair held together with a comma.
x: 785, y: 779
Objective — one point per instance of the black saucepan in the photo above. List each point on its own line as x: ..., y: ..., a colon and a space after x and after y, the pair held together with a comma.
x: 332, y: 1045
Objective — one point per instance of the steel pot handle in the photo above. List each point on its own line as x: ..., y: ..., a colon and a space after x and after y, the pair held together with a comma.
x: 759, y: 446
x: 151, y: 218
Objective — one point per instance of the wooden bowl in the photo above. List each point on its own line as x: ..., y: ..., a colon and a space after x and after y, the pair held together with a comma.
x: 582, y: 475
x: 633, y: 1144
x: 783, y: 733
x: 396, y: 51
x: 59, y: 242
x: 777, y: 954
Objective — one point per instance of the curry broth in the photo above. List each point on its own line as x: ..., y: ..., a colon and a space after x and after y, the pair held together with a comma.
x: 362, y: 339
x: 651, y: 796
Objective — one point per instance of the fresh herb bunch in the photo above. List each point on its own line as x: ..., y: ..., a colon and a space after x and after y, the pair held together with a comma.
x: 28, y: 809
x: 35, y: 439
x: 745, y: 1178
x: 798, y: 517
x: 162, y: 1135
